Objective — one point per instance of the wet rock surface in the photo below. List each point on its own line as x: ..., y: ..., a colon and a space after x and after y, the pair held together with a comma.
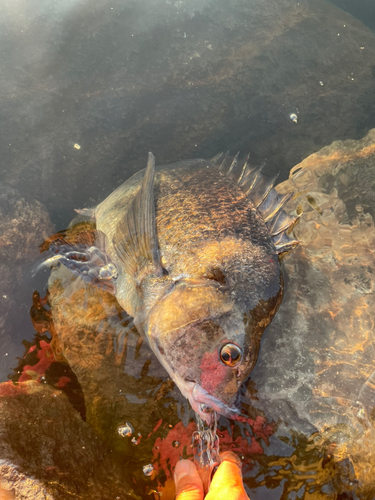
x: 48, y: 452
x: 90, y: 88
x: 316, y: 364
x: 24, y: 224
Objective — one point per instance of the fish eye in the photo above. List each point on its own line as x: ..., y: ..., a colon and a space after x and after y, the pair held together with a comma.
x: 230, y: 354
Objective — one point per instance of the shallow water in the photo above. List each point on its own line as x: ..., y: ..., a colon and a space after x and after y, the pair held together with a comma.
x: 87, y: 88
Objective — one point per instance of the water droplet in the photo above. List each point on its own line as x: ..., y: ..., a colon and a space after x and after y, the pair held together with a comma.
x: 148, y: 469
x: 176, y: 444
x: 125, y: 430
x: 293, y: 117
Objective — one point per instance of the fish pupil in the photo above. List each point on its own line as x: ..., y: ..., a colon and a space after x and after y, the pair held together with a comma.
x: 226, y: 356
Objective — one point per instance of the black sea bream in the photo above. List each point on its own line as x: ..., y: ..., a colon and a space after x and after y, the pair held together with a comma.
x: 191, y: 251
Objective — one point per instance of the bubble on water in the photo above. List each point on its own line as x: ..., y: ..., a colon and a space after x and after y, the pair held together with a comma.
x: 176, y: 444
x: 135, y: 440
x: 148, y: 469
x: 293, y: 117
x: 125, y: 430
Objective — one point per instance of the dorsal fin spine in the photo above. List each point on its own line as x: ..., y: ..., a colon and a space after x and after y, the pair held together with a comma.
x: 216, y: 158
x: 222, y: 165
x: 269, y: 186
x: 281, y: 202
x: 256, y: 178
x: 233, y: 164
x: 265, y: 199
x: 243, y: 169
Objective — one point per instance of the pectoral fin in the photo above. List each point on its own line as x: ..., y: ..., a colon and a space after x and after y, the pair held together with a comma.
x: 87, y: 259
x: 135, y: 241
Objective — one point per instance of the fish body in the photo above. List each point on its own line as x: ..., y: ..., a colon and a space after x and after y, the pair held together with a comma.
x: 190, y: 255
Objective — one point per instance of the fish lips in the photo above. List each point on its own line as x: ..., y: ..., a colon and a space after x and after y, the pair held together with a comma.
x: 205, y: 404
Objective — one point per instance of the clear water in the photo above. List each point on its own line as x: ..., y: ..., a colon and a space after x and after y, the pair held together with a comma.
x: 87, y: 88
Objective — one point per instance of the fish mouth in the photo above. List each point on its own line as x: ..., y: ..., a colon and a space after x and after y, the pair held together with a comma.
x: 206, y: 405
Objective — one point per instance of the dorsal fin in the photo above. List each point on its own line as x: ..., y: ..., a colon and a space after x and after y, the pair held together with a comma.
x: 135, y: 241
x: 259, y: 189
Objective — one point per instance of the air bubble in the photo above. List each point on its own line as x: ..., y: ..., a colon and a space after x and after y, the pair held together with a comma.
x: 148, y: 469
x: 125, y: 430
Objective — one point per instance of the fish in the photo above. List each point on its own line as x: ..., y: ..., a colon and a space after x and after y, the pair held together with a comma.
x: 192, y: 251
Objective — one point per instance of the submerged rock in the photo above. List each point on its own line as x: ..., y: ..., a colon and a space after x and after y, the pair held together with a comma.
x: 24, y: 222
x: 316, y: 368
x: 47, y: 451
x: 89, y: 88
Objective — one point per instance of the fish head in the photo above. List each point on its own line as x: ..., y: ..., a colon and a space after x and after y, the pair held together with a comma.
x: 207, y: 337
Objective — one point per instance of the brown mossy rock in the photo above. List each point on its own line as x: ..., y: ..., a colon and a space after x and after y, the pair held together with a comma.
x: 47, y: 451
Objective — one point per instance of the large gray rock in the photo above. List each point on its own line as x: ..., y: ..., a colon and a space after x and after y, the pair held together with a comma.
x: 87, y: 88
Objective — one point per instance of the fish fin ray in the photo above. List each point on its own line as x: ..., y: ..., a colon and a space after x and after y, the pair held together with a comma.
x: 260, y: 190
x: 233, y: 164
x: 281, y: 223
x: 244, y: 168
x: 215, y: 160
x: 88, y: 262
x: 136, y: 240
x: 224, y: 161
